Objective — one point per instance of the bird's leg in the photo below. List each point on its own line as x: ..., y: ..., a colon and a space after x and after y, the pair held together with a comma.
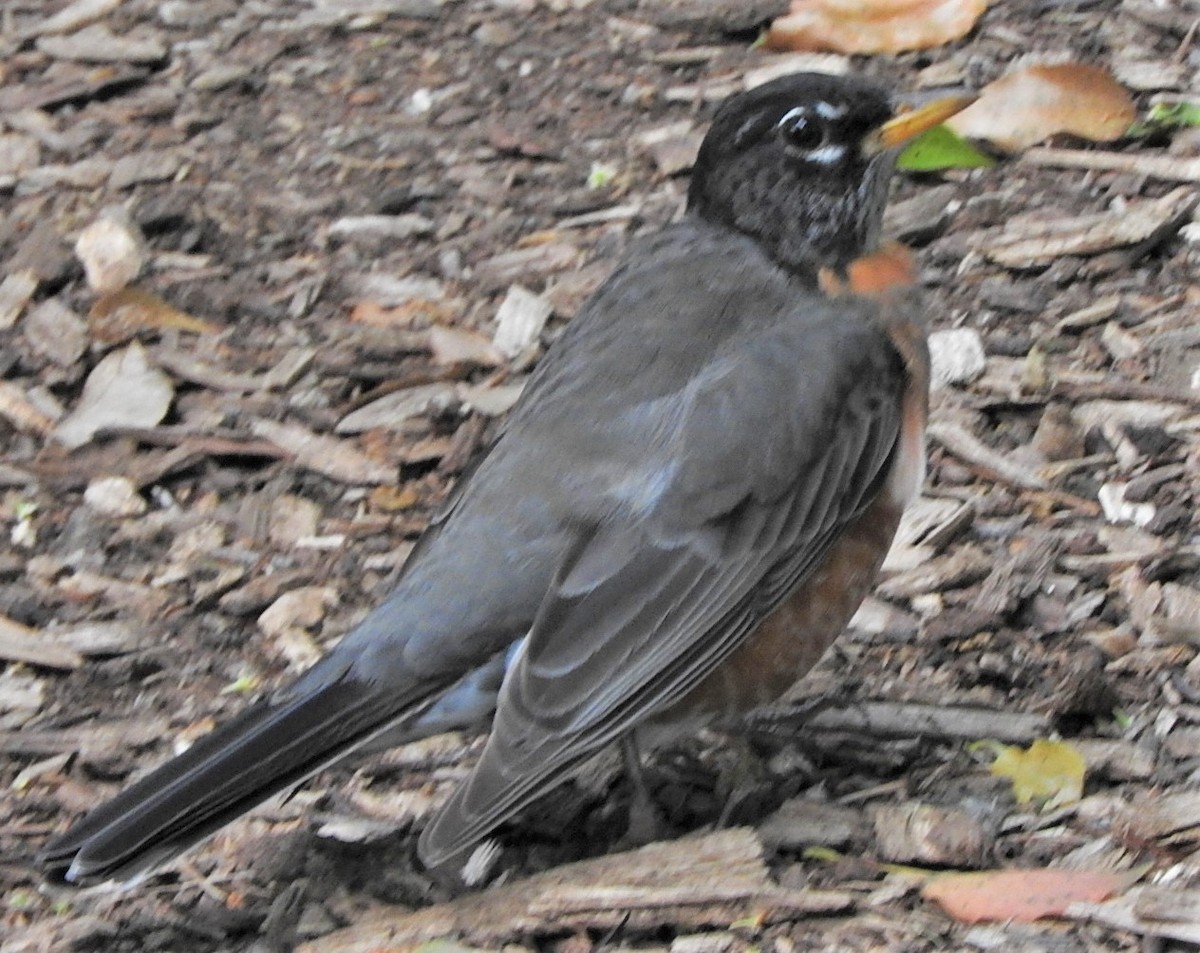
x: 741, y: 781
x: 646, y: 823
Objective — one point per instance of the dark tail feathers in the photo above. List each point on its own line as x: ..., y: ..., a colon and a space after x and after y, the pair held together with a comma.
x: 269, y: 748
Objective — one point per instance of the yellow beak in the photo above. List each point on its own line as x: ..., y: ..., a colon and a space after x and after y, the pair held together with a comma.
x: 906, y: 126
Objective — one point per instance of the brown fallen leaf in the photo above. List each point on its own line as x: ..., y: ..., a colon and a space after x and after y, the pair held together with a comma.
x: 1028, y: 106
x: 872, y: 26
x: 405, y: 315
x: 1022, y: 895
x: 119, y: 315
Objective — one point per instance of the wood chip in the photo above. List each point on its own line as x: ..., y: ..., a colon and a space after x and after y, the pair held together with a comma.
x: 20, y: 643
x: 336, y: 459
x: 1026, y: 244
x: 16, y: 408
x: 15, y: 291
x: 98, y: 44
x: 991, y: 463
x: 915, y: 832
x: 391, y: 411
x: 55, y: 331
x: 1156, y: 166
x: 72, y: 17
x: 801, y: 822
x: 959, y: 568
x: 124, y: 389
x: 1122, y: 914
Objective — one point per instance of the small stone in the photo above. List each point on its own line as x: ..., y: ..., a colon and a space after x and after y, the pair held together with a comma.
x: 1119, y: 510
x: 114, y: 496
x: 112, y: 252
x: 520, y: 320
x: 956, y: 357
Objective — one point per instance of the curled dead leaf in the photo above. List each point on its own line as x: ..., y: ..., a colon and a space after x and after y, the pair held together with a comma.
x: 872, y: 26
x: 1030, y: 105
x: 121, y: 314
x: 1022, y: 895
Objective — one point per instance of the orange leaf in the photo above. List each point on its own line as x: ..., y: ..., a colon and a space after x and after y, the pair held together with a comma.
x: 1033, y: 104
x: 1021, y: 895
x: 872, y: 26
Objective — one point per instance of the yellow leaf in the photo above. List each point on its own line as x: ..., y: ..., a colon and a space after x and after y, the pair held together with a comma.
x: 1047, y: 771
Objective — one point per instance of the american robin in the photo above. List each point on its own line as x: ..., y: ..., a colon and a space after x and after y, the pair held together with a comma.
x: 689, y: 502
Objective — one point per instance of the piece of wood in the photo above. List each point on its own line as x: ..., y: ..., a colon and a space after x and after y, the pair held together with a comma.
x: 908, y: 720
x: 1033, y: 244
x: 1124, y: 913
x: 20, y: 643
x: 1169, y: 168
x: 963, y: 444
x: 693, y: 882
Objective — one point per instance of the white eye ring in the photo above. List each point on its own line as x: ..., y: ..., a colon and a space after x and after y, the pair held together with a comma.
x: 798, y: 125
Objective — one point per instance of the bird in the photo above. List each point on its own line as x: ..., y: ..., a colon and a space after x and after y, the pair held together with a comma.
x: 682, y: 512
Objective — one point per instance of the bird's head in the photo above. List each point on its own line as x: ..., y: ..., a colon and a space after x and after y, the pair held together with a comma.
x: 802, y: 165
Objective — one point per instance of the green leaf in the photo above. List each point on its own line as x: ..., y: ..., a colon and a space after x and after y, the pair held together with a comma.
x: 1175, y: 114
x: 940, y: 148
x: 601, y: 175
x: 1163, y: 116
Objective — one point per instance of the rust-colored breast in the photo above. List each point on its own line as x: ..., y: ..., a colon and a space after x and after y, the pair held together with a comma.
x: 792, y: 639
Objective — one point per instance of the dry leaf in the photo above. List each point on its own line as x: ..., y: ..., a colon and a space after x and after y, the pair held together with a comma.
x: 1021, y: 895
x: 120, y: 315
x: 123, y: 390
x: 405, y: 315
x: 1033, y: 104
x: 872, y: 26
x: 1049, y: 771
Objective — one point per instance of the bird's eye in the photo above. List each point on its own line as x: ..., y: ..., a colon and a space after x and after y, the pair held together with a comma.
x: 802, y: 130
